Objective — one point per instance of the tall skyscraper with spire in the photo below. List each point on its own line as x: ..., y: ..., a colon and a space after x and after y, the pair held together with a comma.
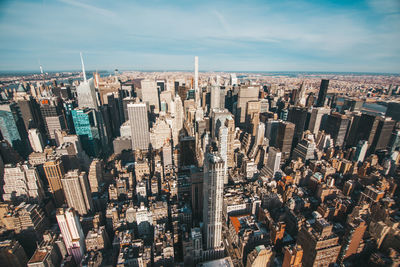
x: 86, y: 91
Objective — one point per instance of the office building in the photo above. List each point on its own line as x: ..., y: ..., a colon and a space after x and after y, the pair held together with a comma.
x: 317, y: 117
x: 273, y: 162
x: 293, y: 256
x: 54, y: 171
x: 72, y: 233
x: 140, y: 134
x: 336, y: 126
x: 22, y: 183
x: 87, y: 128
x: 12, y: 128
x: 95, y: 176
x: 261, y: 256
x: 361, y: 151
x: 150, y: 95
x: 86, y: 92
x: 284, y: 138
x: 383, y: 134
x: 393, y: 110
x: 246, y: 94
x: 353, y: 238
x: 298, y: 116
x: 77, y: 192
x: 320, y: 244
x: 323, y: 90
x: 53, y: 116
x: 213, y: 190
x: 12, y: 254
x: 36, y: 140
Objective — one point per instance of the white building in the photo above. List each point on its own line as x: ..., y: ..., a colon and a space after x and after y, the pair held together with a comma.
x: 36, y: 140
x: 213, y: 190
x: 140, y: 135
x: 150, y: 94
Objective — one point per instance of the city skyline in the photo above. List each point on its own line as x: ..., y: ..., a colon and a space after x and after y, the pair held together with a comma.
x: 254, y: 36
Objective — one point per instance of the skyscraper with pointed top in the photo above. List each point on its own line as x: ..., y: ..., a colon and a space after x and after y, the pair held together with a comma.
x: 86, y: 91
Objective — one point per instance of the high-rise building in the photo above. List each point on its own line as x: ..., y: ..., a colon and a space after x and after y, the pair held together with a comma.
x: 323, y: 90
x: 213, y: 190
x: 137, y: 114
x: 95, y: 176
x: 215, y: 97
x: 284, y: 138
x: 273, y: 162
x: 86, y: 91
x: 12, y: 128
x: 54, y: 171
x: 292, y: 256
x: 150, y: 95
x: 22, y: 183
x: 77, y: 191
x: 361, y: 151
x: 363, y: 127
x: 196, y: 80
x: 261, y: 256
x: 337, y: 125
x: 223, y: 149
x: 320, y: 244
x: 12, y: 254
x: 53, y: 116
x: 353, y: 237
x: 36, y: 140
x: 383, y: 134
x: 253, y: 116
x: 72, y: 233
x: 318, y: 115
x: 298, y: 116
x: 246, y: 94
x: 87, y: 128
x: 393, y: 110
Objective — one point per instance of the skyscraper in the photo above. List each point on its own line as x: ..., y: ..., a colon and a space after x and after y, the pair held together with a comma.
x: 196, y: 80
x: 54, y: 172
x: 86, y: 91
x: 150, y: 95
x: 72, y: 233
x: 298, y: 116
x: 36, y: 140
x: 86, y: 127
x: 215, y: 97
x: 383, y: 134
x: 337, y: 125
x: 361, y: 151
x: 77, y: 192
x: 318, y: 115
x: 223, y: 149
x: 273, y: 162
x: 12, y: 128
x: 213, y: 190
x: 246, y: 94
x: 284, y: 138
x: 137, y: 114
x: 323, y: 90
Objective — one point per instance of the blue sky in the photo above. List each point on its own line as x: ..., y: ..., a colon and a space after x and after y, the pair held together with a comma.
x: 257, y: 35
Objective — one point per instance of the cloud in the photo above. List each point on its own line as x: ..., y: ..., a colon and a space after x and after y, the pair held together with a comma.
x: 90, y: 8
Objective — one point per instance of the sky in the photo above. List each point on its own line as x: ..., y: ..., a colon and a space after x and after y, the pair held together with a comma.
x: 245, y: 35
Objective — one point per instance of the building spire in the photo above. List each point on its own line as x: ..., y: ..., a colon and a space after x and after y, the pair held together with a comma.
x: 83, y: 69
